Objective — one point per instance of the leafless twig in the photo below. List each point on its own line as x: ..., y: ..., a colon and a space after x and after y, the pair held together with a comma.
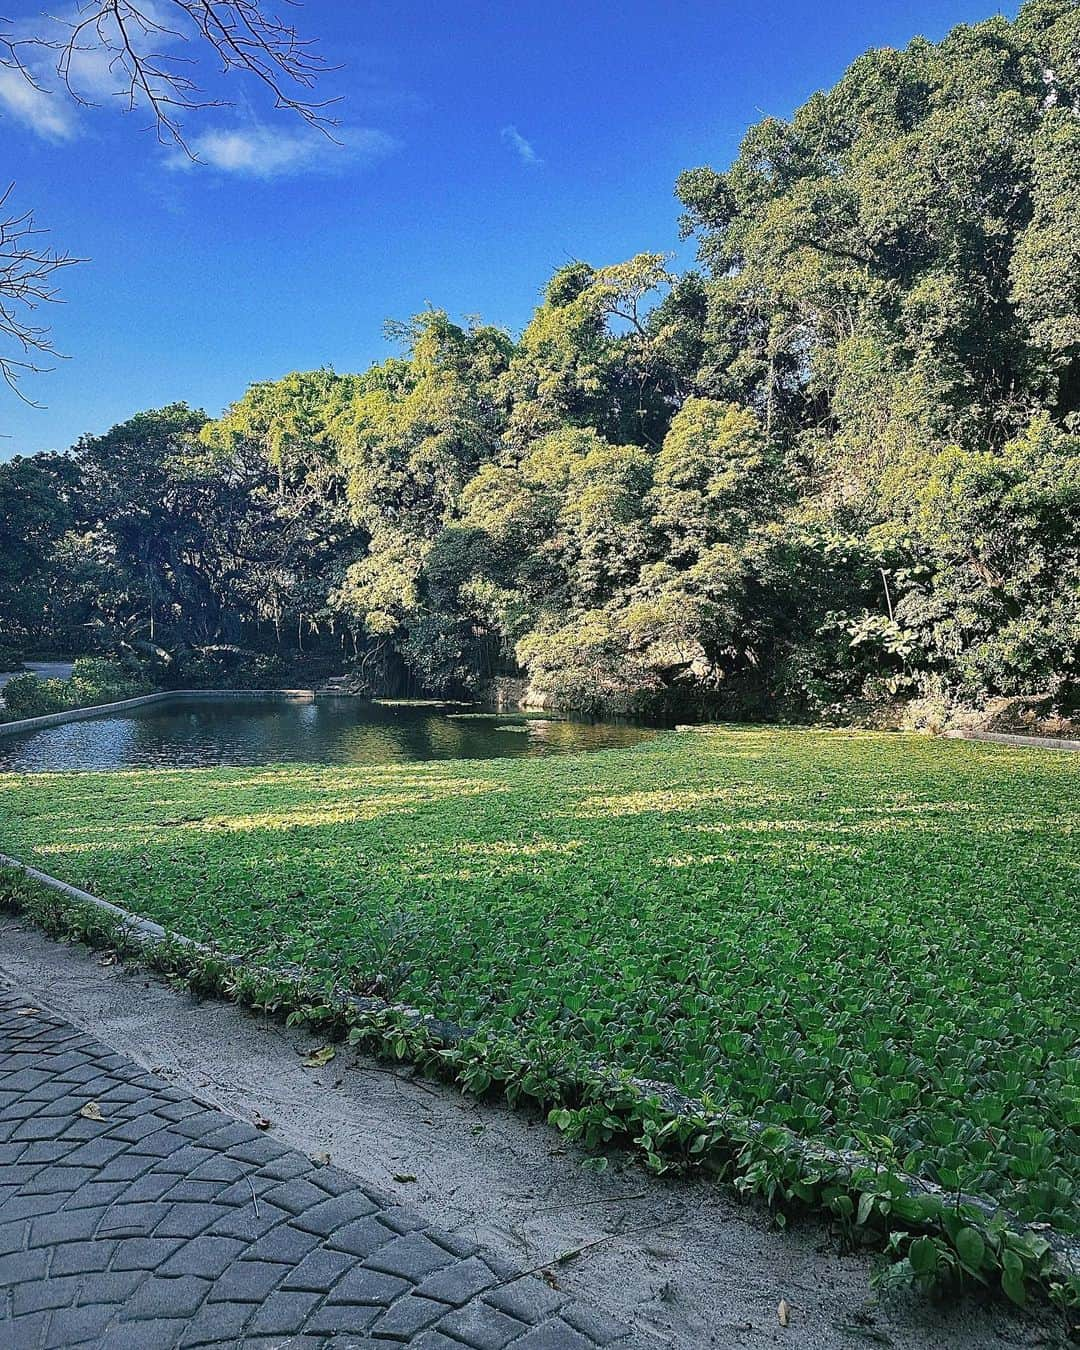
x: 142, y: 42
x: 26, y: 271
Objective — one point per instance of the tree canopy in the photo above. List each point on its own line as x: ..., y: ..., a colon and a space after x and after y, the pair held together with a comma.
x: 840, y: 459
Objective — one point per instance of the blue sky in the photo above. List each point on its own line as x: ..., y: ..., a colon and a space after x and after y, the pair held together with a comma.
x: 485, y: 144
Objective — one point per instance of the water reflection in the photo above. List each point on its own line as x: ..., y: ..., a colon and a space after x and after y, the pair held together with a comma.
x: 198, y: 733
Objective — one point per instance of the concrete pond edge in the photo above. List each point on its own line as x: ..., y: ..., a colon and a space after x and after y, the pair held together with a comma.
x: 142, y: 700
x: 311, y: 695
x: 845, y: 1167
x: 1008, y: 738
x: 954, y: 734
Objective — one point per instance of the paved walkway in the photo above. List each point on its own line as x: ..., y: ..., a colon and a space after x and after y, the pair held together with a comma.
x: 133, y: 1215
x: 44, y: 670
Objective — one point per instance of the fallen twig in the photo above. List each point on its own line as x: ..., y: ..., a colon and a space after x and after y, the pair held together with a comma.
x: 581, y: 1204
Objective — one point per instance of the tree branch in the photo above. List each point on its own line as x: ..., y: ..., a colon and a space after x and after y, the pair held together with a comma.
x: 139, y: 39
x: 26, y: 272
x: 139, y: 42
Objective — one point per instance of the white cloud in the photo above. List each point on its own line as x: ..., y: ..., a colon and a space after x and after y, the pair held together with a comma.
x: 37, y: 96
x: 256, y: 151
x: 49, y: 116
x: 96, y: 73
x: 523, y: 149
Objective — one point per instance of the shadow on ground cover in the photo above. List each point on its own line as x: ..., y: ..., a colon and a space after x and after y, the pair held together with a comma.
x: 869, y: 939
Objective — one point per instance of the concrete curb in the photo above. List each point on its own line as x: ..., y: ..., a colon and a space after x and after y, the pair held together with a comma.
x: 998, y: 737
x: 142, y: 930
x: 164, y: 696
x: 146, y: 933
x: 1006, y: 738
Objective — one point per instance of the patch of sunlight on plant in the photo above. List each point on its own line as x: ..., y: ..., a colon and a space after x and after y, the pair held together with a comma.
x: 694, y: 859
x: 95, y: 846
x: 502, y: 870
x: 316, y: 775
x: 516, y: 848
x: 924, y: 808
x: 142, y: 831
x: 453, y: 874
x: 420, y: 702
x: 798, y: 826
x: 306, y: 817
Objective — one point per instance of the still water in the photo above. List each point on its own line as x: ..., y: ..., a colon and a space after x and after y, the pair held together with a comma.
x: 197, y: 733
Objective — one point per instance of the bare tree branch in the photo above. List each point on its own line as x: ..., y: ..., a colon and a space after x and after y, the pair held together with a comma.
x: 142, y: 42
x: 26, y: 272
x: 139, y: 38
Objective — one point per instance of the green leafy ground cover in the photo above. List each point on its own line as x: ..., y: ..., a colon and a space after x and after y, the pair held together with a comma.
x: 870, y: 939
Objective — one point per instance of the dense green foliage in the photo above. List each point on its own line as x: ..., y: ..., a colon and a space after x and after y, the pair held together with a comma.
x: 94, y: 679
x: 841, y: 461
x: 862, y: 938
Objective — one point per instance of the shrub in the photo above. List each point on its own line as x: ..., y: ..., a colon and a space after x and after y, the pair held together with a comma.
x: 27, y: 696
x: 229, y: 668
x: 94, y: 679
x: 10, y: 658
x: 97, y: 679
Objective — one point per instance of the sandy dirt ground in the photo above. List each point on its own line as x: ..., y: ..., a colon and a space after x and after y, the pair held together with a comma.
x: 685, y: 1262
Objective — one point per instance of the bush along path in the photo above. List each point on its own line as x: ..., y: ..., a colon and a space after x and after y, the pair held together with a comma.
x: 133, y: 1215
x: 931, y: 1236
x: 88, y: 682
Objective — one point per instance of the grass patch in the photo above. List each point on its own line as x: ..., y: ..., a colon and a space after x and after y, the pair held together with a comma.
x: 868, y: 940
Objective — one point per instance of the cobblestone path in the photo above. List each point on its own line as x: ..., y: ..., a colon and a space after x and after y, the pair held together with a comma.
x: 169, y: 1223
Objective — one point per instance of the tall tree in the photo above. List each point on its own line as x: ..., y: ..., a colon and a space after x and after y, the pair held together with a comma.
x: 36, y: 512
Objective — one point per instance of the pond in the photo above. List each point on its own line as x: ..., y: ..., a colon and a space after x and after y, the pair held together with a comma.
x: 199, y: 733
